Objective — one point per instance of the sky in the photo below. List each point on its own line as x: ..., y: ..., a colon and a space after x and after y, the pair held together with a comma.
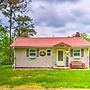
x: 60, y: 17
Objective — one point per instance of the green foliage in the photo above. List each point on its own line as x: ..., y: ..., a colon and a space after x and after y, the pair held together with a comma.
x: 2, y: 29
x: 12, y: 8
x: 4, y: 45
x: 4, y: 49
x: 44, y: 78
x: 25, y: 27
x: 83, y: 35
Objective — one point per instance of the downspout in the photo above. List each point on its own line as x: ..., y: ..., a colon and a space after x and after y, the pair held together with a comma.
x: 14, y: 59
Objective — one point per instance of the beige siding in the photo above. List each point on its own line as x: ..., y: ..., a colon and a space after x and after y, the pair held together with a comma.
x: 23, y: 61
x: 45, y: 61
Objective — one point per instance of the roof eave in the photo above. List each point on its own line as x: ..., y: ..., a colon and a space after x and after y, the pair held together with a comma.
x: 78, y: 46
x: 30, y: 46
x: 62, y: 44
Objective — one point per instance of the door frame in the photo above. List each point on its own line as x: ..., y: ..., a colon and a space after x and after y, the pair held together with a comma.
x: 60, y: 63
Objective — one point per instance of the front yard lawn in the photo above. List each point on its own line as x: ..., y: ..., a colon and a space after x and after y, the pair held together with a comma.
x: 44, y: 78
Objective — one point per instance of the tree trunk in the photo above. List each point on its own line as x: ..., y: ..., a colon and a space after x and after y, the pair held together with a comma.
x: 10, y: 27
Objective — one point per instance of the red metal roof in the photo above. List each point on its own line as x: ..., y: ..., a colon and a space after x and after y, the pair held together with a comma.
x: 50, y: 42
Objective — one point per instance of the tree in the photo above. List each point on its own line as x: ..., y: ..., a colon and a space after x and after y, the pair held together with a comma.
x: 83, y: 35
x: 1, y: 1
x: 10, y: 8
x: 25, y: 27
x: 2, y: 32
x: 4, y: 49
x: 2, y: 29
x: 4, y: 45
x: 77, y: 34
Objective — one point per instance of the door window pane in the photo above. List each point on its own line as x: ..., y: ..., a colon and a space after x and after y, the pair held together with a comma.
x: 60, y: 55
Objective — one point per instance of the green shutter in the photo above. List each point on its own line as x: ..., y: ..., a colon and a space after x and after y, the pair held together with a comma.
x: 82, y: 52
x: 71, y: 52
x: 27, y: 52
x: 37, y: 52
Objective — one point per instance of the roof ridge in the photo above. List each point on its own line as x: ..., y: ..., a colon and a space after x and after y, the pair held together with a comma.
x: 46, y: 37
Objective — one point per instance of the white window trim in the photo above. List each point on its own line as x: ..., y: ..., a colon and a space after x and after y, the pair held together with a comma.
x: 50, y: 52
x: 35, y: 53
x: 77, y: 56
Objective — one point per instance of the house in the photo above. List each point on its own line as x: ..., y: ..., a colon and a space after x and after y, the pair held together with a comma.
x: 51, y: 52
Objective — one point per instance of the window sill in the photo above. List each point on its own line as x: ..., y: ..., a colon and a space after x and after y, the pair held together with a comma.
x: 77, y: 57
x: 32, y: 57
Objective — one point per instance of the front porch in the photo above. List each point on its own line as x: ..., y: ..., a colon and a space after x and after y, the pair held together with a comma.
x: 73, y: 65
x: 71, y: 58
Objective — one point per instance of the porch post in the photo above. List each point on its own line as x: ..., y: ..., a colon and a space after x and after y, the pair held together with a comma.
x: 88, y: 58
x: 67, y: 57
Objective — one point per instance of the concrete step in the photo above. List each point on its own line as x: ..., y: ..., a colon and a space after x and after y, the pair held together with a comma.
x: 59, y: 67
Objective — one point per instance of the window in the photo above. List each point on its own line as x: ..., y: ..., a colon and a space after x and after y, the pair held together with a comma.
x: 33, y: 53
x: 77, y: 53
x: 48, y: 52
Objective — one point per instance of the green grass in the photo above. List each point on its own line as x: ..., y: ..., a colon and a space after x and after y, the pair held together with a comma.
x: 44, y: 78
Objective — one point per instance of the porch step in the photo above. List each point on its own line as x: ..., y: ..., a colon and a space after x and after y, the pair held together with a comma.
x: 60, y: 67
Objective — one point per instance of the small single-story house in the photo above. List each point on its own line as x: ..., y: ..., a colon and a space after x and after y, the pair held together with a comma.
x: 51, y: 52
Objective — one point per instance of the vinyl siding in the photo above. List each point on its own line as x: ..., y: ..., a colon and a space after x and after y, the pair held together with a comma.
x: 23, y: 61
x: 45, y: 61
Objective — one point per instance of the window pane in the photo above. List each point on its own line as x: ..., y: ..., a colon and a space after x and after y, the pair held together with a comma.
x: 32, y: 54
x: 77, y: 53
x: 60, y: 55
x: 48, y: 52
x: 32, y: 50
